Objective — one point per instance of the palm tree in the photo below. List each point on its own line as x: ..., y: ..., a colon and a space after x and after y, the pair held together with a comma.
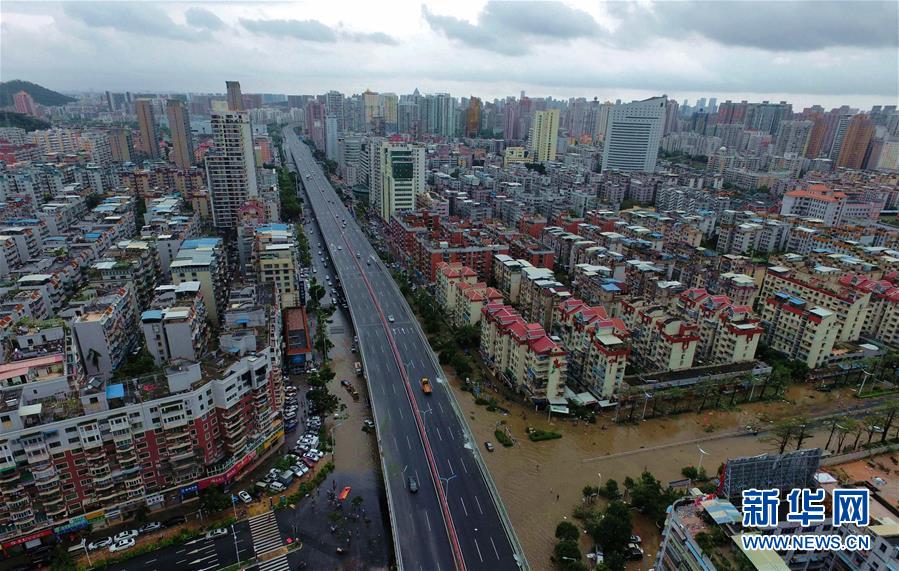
x: 890, y: 411
x: 833, y: 427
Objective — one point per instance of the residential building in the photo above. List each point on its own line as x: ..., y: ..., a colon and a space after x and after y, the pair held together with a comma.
x: 398, y: 177
x: 728, y: 333
x: 182, y: 153
x: 235, y: 98
x: 596, y: 345
x: 469, y: 299
x: 277, y: 261
x: 105, y: 332
x: 660, y: 341
x: 204, y: 260
x: 633, y: 134
x: 544, y: 135
x: 231, y: 169
x: 176, y: 325
x: 826, y: 287
x: 23, y: 103
x: 523, y: 355
x: 798, y: 330
x: 448, y: 275
x: 854, y: 147
x: 146, y: 121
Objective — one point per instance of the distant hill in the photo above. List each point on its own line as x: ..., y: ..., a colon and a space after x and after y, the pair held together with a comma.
x: 11, y: 119
x: 39, y: 93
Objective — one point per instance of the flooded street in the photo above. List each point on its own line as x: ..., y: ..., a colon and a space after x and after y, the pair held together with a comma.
x: 532, y: 475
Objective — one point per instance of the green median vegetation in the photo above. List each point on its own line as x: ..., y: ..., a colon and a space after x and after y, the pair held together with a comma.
x: 503, y: 438
x: 538, y: 435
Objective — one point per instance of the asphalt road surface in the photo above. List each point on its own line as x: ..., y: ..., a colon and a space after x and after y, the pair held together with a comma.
x: 453, y: 520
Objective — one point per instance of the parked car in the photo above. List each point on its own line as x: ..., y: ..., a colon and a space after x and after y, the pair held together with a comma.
x: 217, y: 532
x: 390, y: 318
x: 99, y: 544
x: 309, y: 462
x: 152, y: 526
x: 489, y: 446
x: 122, y: 545
x: 245, y: 496
x: 175, y: 520
x: 127, y: 534
x: 636, y: 539
x: 276, y: 487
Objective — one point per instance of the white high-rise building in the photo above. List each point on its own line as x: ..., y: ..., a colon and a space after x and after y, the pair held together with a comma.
x: 231, y: 167
x: 331, y: 129
x: 633, y: 133
x: 544, y: 135
x: 398, y: 176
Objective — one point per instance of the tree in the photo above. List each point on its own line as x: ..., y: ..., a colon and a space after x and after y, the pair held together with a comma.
x: 214, y: 499
x: 610, y: 490
x: 567, y: 531
x: 61, y: 559
x: 141, y: 513
x: 567, y: 552
x: 648, y: 496
x: 613, y: 531
x: 782, y: 433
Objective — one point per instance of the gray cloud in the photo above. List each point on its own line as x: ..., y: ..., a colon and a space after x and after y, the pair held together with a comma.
x: 313, y: 31
x: 140, y: 18
x: 506, y: 27
x: 307, y: 30
x: 203, y: 19
x: 370, y: 38
x: 786, y: 25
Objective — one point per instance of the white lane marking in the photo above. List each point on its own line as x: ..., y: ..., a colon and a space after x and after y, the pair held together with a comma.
x: 464, y: 467
x: 478, y: 547
x: 180, y: 562
x: 428, y: 519
x: 465, y: 509
x: 395, y: 443
x: 479, y: 505
x: 408, y: 442
x: 452, y: 472
x: 494, y: 547
x: 149, y: 561
x: 437, y: 428
x: 440, y: 406
x: 403, y: 416
x: 393, y: 386
x: 195, y: 561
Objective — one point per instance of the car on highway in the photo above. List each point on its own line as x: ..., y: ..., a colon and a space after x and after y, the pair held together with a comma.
x: 99, y: 544
x: 426, y: 386
x: 127, y: 534
x: 152, y: 526
x: 122, y: 545
x: 413, y: 484
x: 390, y: 318
x: 217, y: 532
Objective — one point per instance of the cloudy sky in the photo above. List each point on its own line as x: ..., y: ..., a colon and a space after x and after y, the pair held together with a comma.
x: 804, y: 51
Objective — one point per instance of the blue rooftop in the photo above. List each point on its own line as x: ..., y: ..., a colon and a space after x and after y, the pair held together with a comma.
x: 151, y: 314
x: 200, y: 243
x: 116, y: 391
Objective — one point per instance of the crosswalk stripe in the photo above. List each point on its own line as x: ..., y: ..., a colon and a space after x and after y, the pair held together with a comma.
x: 277, y: 564
x: 265, y: 533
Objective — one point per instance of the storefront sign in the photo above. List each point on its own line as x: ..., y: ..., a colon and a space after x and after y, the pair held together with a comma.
x: 27, y: 538
x: 74, y: 524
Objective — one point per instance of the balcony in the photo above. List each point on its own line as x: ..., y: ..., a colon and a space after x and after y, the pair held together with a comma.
x: 98, y: 471
x: 57, y: 512
x: 8, y: 476
x: 122, y: 446
x: 18, y: 503
x: 103, y: 483
x: 236, y: 444
x: 174, y: 421
x: 50, y: 489
x: 43, y: 474
x: 180, y: 457
x: 95, y: 455
x: 232, y: 412
x: 37, y: 456
x: 134, y: 482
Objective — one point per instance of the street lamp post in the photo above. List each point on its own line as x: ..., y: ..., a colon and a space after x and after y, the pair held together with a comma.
x: 646, y: 397
x: 864, y: 380
x: 702, y: 454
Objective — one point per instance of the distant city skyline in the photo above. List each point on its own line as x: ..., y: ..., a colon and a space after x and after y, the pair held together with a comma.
x: 802, y: 52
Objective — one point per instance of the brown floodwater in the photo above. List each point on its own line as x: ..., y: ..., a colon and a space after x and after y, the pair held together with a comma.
x: 541, y: 482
